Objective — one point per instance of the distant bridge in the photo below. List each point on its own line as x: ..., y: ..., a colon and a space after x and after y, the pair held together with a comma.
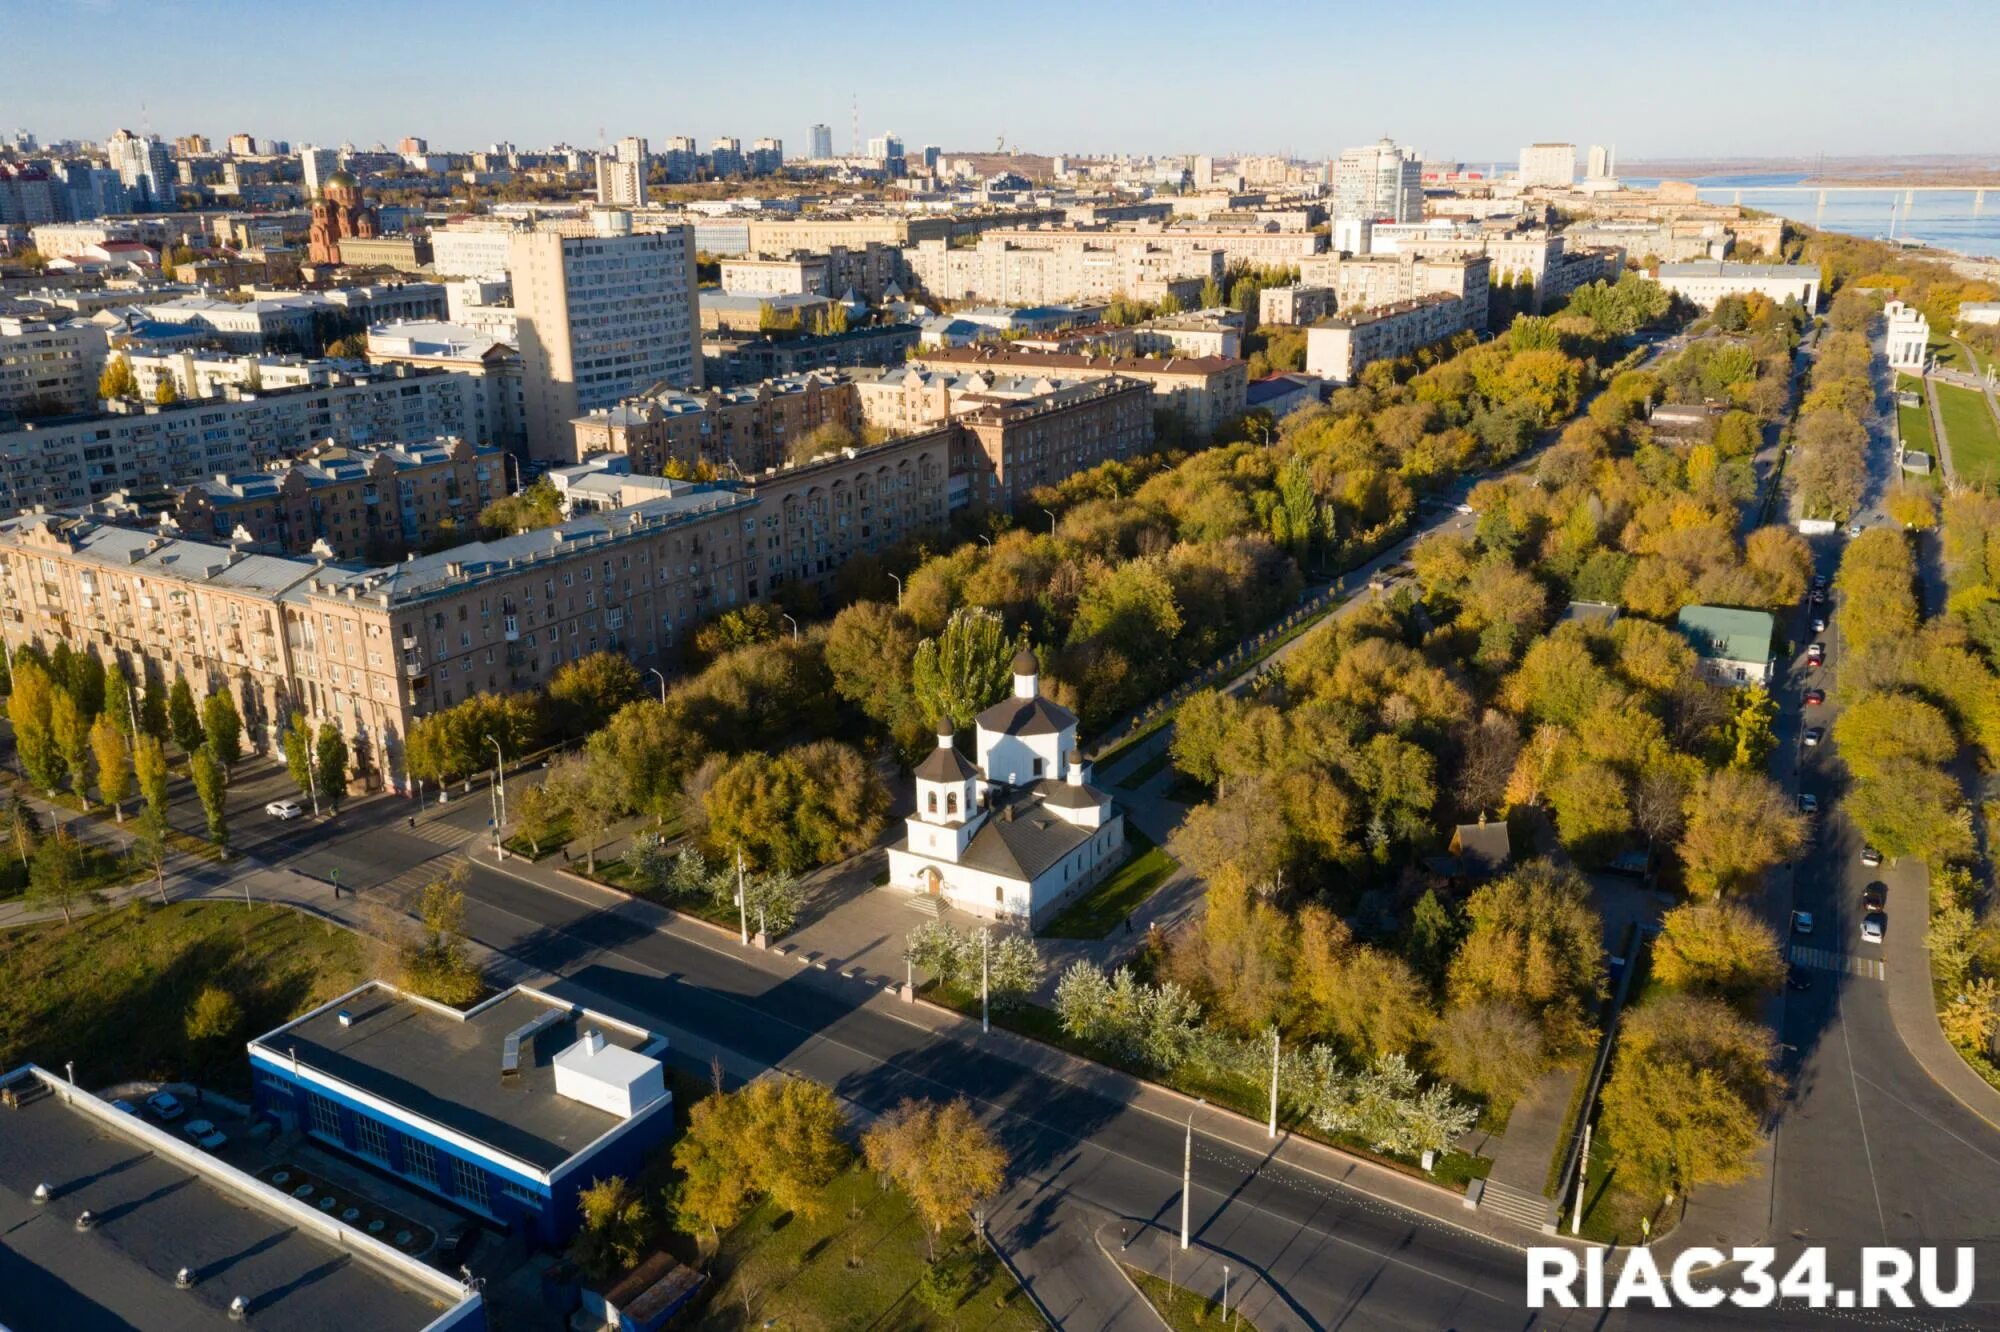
x: 1909, y: 192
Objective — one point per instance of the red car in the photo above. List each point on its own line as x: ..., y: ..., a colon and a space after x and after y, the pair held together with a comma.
x: 1815, y: 697
x: 1816, y: 654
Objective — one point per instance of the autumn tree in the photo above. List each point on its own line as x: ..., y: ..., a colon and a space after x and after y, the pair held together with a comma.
x: 1688, y: 1091
x: 805, y: 807
x: 31, y: 708
x: 1739, y: 824
x: 222, y: 724
x: 1533, y: 940
x: 585, y: 692
x: 616, y: 1228
x: 1717, y: 948
x: 113, y: 753
x: 1493, y: 1049
x: 210, y: 786
x: 1912, y: 809
x: 433, y: 961
x: 70, y: 730
x: 941, y: 1156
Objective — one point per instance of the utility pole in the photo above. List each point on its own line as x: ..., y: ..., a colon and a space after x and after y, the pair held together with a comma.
x: 499, y: 798
x: 1187, y: 1172
x: 985, y: 981
x: 1582, y: 1175
x: 742, y: 902
x: 1272, y: 1132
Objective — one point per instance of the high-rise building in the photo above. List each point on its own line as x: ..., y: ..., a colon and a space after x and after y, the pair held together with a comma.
x: 315, y: 165
x: 1603, y: 163
x: 887, y: 149
x: 601, y: 317
x: 1550, y: 165
x: 1381, y: 182
x: 767, y: 157
x: 820, y: 140
x: 680, y: 159
x: 621, y: 176
x: 725, y: 156
x: 145, y: 166
x: 413, y: 144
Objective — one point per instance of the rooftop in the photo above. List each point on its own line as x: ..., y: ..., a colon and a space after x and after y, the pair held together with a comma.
x: 1027, y: 359
x: 434, y: 1064
x: 161, y: 1206
x: 1020, y: 839
x: 1715, y: 268
x: 1727, y: 633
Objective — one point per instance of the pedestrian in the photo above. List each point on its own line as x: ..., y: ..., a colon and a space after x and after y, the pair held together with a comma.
x: 1128, y: 924
x: 413, y: 823
x: 565, y: 855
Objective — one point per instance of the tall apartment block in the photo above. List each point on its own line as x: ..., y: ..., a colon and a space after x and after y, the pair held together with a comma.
x: 602, y: 316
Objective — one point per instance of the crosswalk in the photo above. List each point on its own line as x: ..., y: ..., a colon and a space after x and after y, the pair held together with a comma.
x: 1828, y: 959
x: 439, y: 833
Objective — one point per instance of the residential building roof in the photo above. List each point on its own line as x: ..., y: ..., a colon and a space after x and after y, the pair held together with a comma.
x: 1727, y: 633
x: 1716, y: 268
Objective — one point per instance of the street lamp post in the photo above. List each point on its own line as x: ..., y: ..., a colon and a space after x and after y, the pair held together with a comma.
x: 499, y: 799
x: 987, y: 539
x: 1052, y: 521
x: 1225, y: 1294
x: 654, y: 671
x: 985, y: 981
x: 899, y: 588
x: 1187, y: 1172
x: 312, y: 779
x: 794, y: 623
x: 1272, y: 1132
x: 742, y: 901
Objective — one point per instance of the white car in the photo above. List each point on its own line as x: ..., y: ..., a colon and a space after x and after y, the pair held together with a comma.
x: 1873, y: 925
x: 284, y: 810
x: 165, y: 1105
x: 1870, y: 856
x: 204, y: 1134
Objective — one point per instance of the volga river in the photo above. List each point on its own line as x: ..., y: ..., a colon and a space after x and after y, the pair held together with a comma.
x: 1949, y: 219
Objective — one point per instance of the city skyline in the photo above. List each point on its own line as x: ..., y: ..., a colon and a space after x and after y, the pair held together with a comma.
x: 1319, y: 97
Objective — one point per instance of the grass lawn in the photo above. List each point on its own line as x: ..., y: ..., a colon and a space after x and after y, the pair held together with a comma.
x: 616, y: 874
x: 1612, y: 1210
x: 112, y: 991
x: 1914, y: 423
x: 1106, y: 906
x: 1969, y: 428
x: 856, y: 1265
x: 1953, y: 355
x: 1181, y: 1309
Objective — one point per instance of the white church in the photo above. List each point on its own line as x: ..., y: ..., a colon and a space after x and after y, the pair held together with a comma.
x: 1022, y: 832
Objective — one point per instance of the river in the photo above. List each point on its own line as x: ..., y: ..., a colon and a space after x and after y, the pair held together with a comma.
x: 1948, y: 219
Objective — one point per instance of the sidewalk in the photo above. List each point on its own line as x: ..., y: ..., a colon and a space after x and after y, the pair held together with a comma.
x: 1199, y: 1270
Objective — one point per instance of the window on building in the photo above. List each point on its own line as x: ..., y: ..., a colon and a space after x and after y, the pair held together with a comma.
x: 1038, y: 767
x: 471, y: 1182
x: 1000, y: 893
x: 522, y: 1194
x: 371, y: 1138
x: 420, y: 1161
x: 325, y: 1115
x: 951, y: 802
x: 932, y: 802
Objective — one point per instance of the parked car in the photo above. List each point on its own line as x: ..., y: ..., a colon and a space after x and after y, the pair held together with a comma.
x: 126, y: 1107
x: 1854, y: 529
x: 1808, y: 803
x: 1870, y: 857
x: 1813, y: 735
x: 1816, y: 654
x: 1815, y: 697
x: 1798, y: 978
x: 1873, y: 925
x: 1875, y: 896
x: 1802, y: 922
x: 205, y: 1135
x: 1819, y: 624
x: 1461, y: 508
x: 166, y: 1106
x: 1819, y: 583
x: 284, y: 810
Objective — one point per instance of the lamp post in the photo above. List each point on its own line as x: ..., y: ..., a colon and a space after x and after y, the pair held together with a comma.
x: 985, y: 981
x: 499, y: 799
x: 794, y: 623
x: 742, y: 902
x: 1272, y: 1132
x: 654, y: 671
x: 899, y: 588
x: 312, y: 776
x: 987, y: 539
x: 1225, y: 1294
x: 1187, y: 1172
x: 1052, y: 521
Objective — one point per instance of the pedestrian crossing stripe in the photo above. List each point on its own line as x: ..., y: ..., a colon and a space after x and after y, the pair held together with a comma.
x: 443, y: 834
x: 1827, y: 959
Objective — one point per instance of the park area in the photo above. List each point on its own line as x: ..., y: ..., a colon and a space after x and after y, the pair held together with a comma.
x: 1913, y: 423
x: 113, y: 992
x: 1972, y: 433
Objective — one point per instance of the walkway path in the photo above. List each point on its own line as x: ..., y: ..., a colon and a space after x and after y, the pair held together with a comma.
x: 1204, y: 1271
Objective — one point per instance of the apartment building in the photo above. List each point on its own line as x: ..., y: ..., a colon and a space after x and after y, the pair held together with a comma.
x: 738, y: 358
x: 1296, y: 304
x: 621, y: 176
x: 199, y: 373
x: 337, y: 502
x: 1197, y: 333
x: 1014, y: 274
x: 491, y: 362
x: 746, y: 429
x: 1548, y: 166
x: 869, y: 272
x: 49, y: 365
x: 478, y: 247
x: 1007, y: 447
x: 73, y: 460
x: 1338, y: 348
x: 1381, y: 181
x: 1541, y: 257
x: 1255, y: 244
x: 1362, y: 282
x: 1205, y: 391
x: 1706, y: 282
x: 601, y: 316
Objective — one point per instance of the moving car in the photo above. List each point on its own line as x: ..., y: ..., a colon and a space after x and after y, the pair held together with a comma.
x: 204, y: 1134
x: 1875, y: 896
x: 1872, y: 926
x: 166, y: 1105
x: 1815, y: 697
x: 1870, y: 857
x: 1854, y: 529
x: 1819, y: 624
x: 1798, y: 978
x: 1813, y: 735
x: 284, y: 810
x: 1816, y: 654
x: 1802, y: 922
x: 1808, y: 803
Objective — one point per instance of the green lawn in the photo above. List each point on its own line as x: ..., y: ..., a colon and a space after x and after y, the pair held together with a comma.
x: 1146, y: 771
x: 1914, y: 423
x: 1181, y: 1309
x: 1970, y: 429
x: 113, y: 990
x: 1106, y: 906
x: 856, y: 1265
x: 1953, y: 355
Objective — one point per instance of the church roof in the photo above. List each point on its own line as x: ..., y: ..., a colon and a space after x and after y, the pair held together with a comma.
x: 945, y: 764
x: 1064, y: 796
x: 1025, y: 845
x: 1026, y: 716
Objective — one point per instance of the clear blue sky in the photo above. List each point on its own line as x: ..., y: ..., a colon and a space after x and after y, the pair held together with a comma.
x: 1458, y: 78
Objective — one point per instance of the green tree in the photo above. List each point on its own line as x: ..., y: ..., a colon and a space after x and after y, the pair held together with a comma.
x: 223, y: 727
x: 588, y: 690
x: 1739, y: 824
x: 942, y: 1157
x: 1717, y: 948
x: 617, y: 1226
x: 21, y: 828
x: 56, y: 874
x: 1687, y: 1094
x: 121, y: 700
x: 31, y: 707
x: 183, y: 718
x: 211, y: 787
x: 965, y: 669
x: 537, y: 814
x: 1912, y: 809
x: 590, y: 791
x: 806, y: 807
x: 113, y: 753
x: 70, y: 730
x: 297, y: 744
x: 149, y: 767
x: 330, y: 761
x: 153, y: 710
x: 1751, y: 739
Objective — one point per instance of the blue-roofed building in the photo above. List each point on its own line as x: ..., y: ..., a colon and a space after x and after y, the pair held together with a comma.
x: 508, y: 1109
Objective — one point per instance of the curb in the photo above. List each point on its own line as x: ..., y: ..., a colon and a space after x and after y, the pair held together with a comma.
x: 1097, y: 1238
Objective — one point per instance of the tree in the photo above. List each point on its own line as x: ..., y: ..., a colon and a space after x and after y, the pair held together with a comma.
x: 153, y: 710
x: 1739, y: 824
x: 222, y: 724
x: 30, y: 707
x: 183, y: 720
x: 56, y: 873
x: 166, y: 391
x: 330, y: 761
x: 616, y: 1227
x: 149, y: 767
x: 1532, y: 939
x: 538, y: 814
x: 806, y: 807
x: 1882, y: 729
x: 210, y: 784
x: 716, y: 1187
x: 113, y: 753
x: 21, y: 827
x: 795, y: 1145
x: 433, y: 962
x: 70, y: 730
x: 1717, y: 948
x: 965, y: 669
x: 1912, y: 809
x: 117, y: 379
x: 826, y: 437
x: 539, y: 506
x: 211, y: 1021
x: 150, y: 847
x: 1751, y: 739
x: 297, y: 744
x: 1687, y: 1094
x: 1494, y: 1050
x: 590, y: 791
x: 588, y: 690
x: 942, y: 1157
